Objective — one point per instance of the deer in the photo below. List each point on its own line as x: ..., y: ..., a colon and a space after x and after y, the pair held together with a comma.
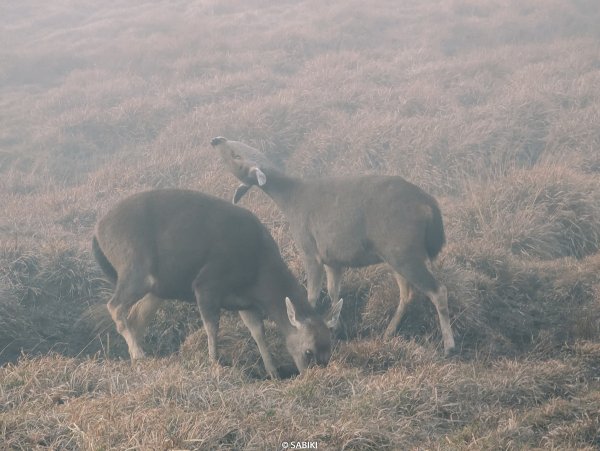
x: 190, y: 246
x: 351, y: 222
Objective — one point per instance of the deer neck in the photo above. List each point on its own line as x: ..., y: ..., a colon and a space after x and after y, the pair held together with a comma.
x: 281, y: 188
x: 282, y: 283
x: 278, y: 311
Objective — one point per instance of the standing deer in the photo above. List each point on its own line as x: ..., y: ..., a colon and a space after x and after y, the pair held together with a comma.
x: 341, y: 222
x: 180, y: 244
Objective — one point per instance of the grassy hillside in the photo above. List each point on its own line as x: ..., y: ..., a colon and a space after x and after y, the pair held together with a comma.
x: 493, y: 107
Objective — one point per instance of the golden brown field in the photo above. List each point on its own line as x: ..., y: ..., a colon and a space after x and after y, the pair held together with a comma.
x: 493, y: 107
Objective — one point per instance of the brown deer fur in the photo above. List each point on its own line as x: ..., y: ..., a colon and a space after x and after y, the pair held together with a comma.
x: 341, y: 222
x: 180, y: 244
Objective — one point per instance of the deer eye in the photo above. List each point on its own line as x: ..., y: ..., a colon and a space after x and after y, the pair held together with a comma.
x: 235, y: 156
x: 308, y: 353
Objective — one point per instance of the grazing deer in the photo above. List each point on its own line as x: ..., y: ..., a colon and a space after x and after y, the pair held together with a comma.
x: 180, y: 244
x: 341, y: 222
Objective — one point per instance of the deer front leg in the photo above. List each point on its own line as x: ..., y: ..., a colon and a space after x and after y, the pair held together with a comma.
x: 406, y: 297
x: 255, y: 324
x: 314, y: 276
x: 334, y: 280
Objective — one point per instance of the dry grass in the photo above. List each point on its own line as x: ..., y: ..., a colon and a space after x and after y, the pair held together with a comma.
x: 419, y: 402
x: 493, y: 107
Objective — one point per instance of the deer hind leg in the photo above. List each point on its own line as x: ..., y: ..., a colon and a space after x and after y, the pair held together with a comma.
x: 129, y: 291
x: 418, y: 275
x: 406, y: 297
x: 440, y: 300
x: 314, y: 276
x: 141, y: 314
x: 255, y: 324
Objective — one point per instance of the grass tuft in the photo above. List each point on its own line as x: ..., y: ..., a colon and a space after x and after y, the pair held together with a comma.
x: 492, y: 107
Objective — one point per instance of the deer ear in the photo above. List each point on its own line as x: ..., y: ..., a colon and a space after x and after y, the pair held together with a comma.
x: 333, y: 316
x: 239, y: 192
x: 291, y: 312
x: 260, y: 176
x: 216, y: 141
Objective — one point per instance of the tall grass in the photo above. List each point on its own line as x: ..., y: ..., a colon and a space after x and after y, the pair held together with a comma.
x: 493, y: 107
